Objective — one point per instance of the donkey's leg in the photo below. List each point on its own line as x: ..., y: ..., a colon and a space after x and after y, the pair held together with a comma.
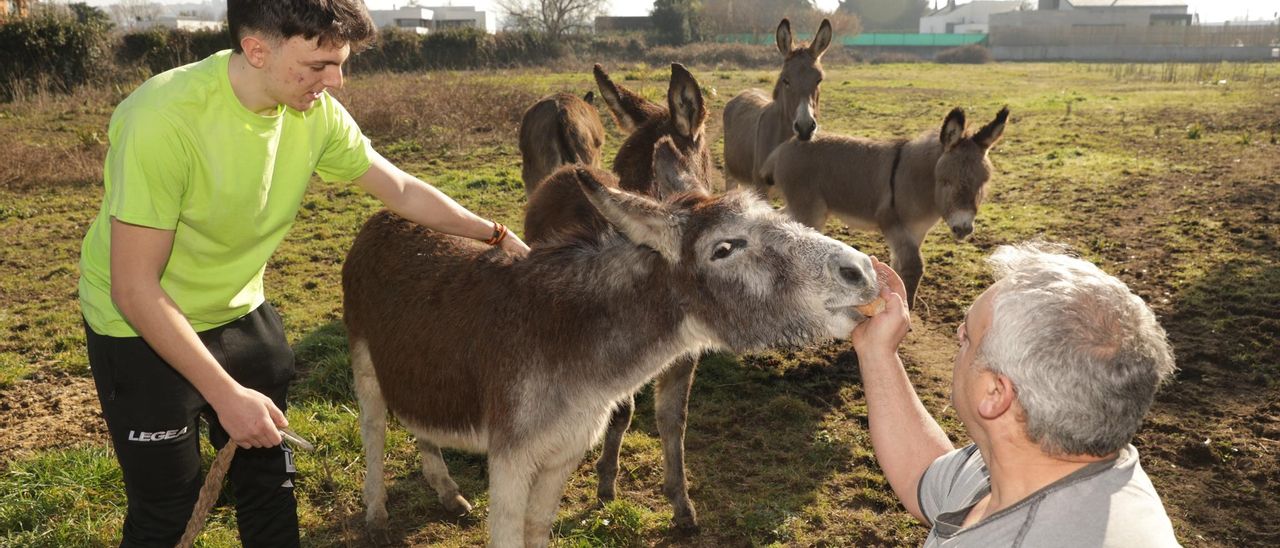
x: 510, y: 474
x: 437, y: 474
x: 607, y: 466
x: 373, y: 434
x: 906, y: 259
x: 671, y: 407
x: 544, y: 498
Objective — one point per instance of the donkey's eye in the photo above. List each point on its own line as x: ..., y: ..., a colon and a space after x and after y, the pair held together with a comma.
x: 786, y: 82
x: 726, y: 248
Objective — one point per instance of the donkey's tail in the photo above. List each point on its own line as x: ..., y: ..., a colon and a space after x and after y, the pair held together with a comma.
x: 573, y: 144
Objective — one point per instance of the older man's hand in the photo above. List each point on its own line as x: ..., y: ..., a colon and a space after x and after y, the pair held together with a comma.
x: 881, y: 334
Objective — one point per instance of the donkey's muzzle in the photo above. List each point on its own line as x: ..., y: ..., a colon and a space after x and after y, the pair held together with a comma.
x: 804, y: 132
x: 960, y: 232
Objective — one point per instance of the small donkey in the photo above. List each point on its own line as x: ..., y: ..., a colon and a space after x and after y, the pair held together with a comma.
x: 557, y: 130
x: 901, y: 188
x: 525, y: 358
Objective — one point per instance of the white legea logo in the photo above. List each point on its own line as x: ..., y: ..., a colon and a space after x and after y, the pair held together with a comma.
x: 162, y: 435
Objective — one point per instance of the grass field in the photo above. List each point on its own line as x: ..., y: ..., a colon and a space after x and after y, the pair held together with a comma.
x: 1165, y: 175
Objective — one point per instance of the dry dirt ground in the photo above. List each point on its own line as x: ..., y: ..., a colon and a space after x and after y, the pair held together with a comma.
x: 1211, y: 443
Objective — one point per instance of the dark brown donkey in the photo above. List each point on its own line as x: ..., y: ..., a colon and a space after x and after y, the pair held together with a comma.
x: 525, y: 359
x: 900, y: 188
x: 559, y: 129
x: 666, y: 153
x: 755, y: 123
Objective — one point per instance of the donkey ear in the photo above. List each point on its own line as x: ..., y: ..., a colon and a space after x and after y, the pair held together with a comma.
x: 589, y: 98
x: 821, y: 40
x: 684, y: 101
x: 628, y: 109
x: 673, y: 170
x: 641, y: 220
x: 991, y: 133
x: 783, y: 36
x: 952, y: 129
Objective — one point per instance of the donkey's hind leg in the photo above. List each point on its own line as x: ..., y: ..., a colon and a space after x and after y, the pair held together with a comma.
x: 671, y: 402
x: 437, y: 475
x: 607, y: 466
x: 373, y: 434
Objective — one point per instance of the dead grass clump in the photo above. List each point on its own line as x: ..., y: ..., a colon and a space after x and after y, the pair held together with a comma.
x: 972, y: 54
x: 436, y: 112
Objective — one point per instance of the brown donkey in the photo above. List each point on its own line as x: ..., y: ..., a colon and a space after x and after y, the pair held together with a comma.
x: 665, y: 154
x: 901, y: 188
x: 525, y: 358
x: 559, y: 129
x: 754, y: 123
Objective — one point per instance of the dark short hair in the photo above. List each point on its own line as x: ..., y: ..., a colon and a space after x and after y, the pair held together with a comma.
x: 336, y: 22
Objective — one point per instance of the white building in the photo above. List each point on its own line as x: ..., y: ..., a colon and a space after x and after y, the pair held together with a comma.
x: 965, y: 18
x: 452, y: 17
x: 179, y: 22
x: 411, y: 18
x: 1099, y: 13
x: 424, y: 19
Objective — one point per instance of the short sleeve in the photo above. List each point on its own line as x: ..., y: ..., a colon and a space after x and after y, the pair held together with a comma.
x: 939, y: 482
x: 347, y: 152
x: 147, y: 170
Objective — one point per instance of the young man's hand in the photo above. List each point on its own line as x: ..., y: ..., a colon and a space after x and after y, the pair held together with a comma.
x: 250, y: 418
x: 882, y: 333
x: 514, y: 245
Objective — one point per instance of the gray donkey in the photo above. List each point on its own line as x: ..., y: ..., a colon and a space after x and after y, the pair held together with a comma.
x: 901, y: 187
x: 525, y: 358
x: 665, y: 154
x: 755, y: 123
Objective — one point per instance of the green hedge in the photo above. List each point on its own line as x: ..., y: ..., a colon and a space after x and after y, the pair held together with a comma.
x: 53, y: 51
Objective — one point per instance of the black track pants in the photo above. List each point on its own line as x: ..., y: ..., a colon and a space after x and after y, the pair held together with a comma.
x: 152, y: 412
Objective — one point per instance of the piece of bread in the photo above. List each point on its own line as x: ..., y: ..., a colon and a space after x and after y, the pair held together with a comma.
x: 872, y: 308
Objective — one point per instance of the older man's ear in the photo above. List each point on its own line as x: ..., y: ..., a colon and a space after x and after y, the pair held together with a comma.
x: 997, y: 395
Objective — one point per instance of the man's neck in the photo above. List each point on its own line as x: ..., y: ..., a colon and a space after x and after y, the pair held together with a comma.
x: 246, y: 83
x: 1019, y: 468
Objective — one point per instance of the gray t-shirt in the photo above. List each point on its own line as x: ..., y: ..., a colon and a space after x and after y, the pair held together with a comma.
x: 1109, y: 503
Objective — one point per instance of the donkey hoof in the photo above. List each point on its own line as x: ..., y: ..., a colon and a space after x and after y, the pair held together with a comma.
x: 686, y: 521
x: 457, y: 505
x: 605, y: 496
x: 375, y: 521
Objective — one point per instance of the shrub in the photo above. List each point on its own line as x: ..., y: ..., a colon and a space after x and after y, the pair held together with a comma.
x: 894, y: 57
x: 972, y: 54
x: 52, y: 49
x: 162, y: 49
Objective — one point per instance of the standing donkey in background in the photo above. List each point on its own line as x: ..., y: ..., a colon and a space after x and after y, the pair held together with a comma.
x: 559, y: 129
x: 525, y: 358
x: 754, y: 123
x: 665, y: 154
x: 901, y: 187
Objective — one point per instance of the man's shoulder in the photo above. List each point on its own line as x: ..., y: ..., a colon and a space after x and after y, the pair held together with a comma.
x: 1117, y: 507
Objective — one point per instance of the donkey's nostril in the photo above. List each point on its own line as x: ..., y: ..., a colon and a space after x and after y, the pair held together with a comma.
x: 850, y: 275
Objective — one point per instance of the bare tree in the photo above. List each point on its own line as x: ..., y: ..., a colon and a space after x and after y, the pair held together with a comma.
x: 128, y: 13
x: 554, y: 17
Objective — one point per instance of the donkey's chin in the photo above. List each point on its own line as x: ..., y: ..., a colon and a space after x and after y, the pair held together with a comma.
x: 841, y: 321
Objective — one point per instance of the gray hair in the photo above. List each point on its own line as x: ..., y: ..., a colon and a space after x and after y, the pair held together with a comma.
x: 1084, y: 353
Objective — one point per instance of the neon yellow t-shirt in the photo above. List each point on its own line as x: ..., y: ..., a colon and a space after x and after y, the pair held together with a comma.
x: 186, y: 155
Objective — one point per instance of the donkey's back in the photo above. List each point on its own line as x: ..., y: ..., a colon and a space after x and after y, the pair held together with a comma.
x: 559, y: 129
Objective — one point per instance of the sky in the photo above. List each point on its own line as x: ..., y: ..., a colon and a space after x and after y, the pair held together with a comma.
x: 1210, y: 11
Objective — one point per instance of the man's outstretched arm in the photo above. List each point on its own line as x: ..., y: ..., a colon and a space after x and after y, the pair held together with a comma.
x: 905, y: 438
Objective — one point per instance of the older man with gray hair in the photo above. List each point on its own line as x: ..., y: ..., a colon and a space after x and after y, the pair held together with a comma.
x: 1057, y: 364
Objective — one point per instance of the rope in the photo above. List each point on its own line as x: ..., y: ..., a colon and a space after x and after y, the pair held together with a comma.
x: 213, y: 485
x: 208, y: 494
